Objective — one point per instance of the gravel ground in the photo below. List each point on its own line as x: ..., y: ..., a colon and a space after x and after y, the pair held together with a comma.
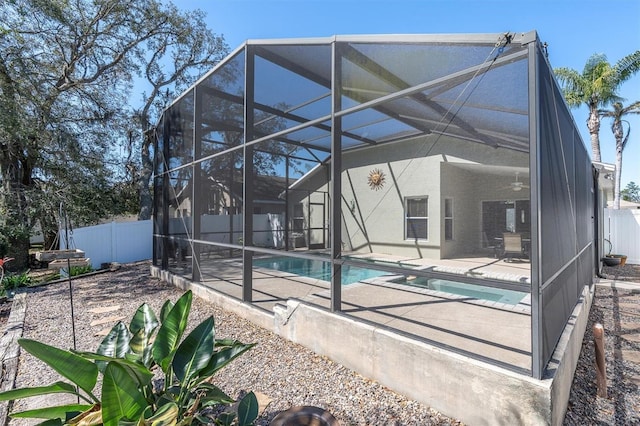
x: 287, y: 373
x: 618, y: 310
x: 626, y: 272
x: 290, y: 374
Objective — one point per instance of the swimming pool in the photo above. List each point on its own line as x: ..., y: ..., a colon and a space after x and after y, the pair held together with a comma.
x: 316, y: 269
x: 509, y: 297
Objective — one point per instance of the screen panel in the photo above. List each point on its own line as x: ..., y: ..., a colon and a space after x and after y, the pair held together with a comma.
x: 558, y: 300
x: 179, y: 132
x: 222, y: 107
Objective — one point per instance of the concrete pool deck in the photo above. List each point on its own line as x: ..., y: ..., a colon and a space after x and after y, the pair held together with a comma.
x: 518, y: 270
x: 488, y: 330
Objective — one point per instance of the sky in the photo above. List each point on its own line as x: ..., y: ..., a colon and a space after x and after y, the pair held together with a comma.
x: 573, y: 29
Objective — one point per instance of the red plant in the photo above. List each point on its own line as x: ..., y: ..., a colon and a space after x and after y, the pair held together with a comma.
x: 5, y: 260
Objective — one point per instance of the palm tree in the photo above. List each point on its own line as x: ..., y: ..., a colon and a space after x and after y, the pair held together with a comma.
x: 617, y: 128
x: 597, y: 87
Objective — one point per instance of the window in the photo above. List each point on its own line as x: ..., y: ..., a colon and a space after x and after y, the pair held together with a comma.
x: 298, y: 218
x: 416, y: 219
x: 448, y: 219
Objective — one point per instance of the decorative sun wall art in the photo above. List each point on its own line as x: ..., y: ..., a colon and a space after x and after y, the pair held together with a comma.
x: 376, y: 179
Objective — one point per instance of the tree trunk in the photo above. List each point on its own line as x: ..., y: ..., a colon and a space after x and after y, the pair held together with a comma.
x: 618, y: 133
x: 616, y: 190
x: 146, y: 170
x: 16, y: 223
x: 593, y: 124
x: 16, y: 178
x: 49, y: 227
x: 19, y: 250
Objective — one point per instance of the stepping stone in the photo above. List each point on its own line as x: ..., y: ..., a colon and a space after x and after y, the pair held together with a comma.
x: 99, y: 302
x: 106, y: 320
x: 629, y: 307
x: 626, y: 326
x: 635, y: 380
x: 263, y: 401
x: 633, y: 338
x: 104, y: 309
x: 630, y: 356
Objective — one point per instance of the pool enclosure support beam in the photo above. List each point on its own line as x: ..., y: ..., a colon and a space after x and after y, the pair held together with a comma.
x: 336, y: 181
x: 232, y: 199
x: 247, y: 205
x: 155, y: 246
x: 537, y: 367
x: 196, y: 207
x: 286, y: 203
x: 166, y: 124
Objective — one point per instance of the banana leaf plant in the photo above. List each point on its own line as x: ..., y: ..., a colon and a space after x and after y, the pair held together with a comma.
x: 150, y: 375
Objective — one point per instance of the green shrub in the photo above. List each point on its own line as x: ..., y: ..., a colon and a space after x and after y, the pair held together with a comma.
x: 14, y: 281
x: 126, y: 358
x: 80, y: 270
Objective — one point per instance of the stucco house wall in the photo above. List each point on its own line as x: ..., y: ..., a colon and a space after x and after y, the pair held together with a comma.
x: 436, y: 168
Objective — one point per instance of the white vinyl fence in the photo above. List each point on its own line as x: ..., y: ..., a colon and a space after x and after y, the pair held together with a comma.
x: 268, y: 229
x: 132, y: 241
x: 112, y: 242
x: 622, y: 228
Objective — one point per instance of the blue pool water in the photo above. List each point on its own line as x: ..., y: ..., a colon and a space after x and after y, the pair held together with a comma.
x: 474, y: 291
x: 321, y: 270
x: 316, y: 269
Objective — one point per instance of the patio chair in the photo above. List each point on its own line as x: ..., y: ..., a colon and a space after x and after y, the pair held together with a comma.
x: 495, y: 247
x: 512, y: 246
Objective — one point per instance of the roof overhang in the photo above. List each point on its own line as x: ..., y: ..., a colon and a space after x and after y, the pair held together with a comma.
x: 606, y: 178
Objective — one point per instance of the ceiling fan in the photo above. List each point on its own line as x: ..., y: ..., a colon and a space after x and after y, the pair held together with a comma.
x: 517, y: 185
